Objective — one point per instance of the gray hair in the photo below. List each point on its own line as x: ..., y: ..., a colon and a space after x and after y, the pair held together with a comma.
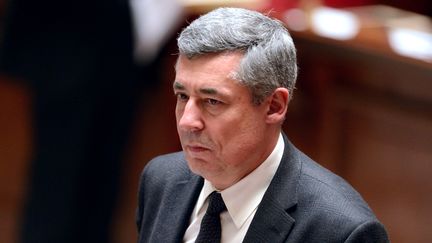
x: 269, y: 58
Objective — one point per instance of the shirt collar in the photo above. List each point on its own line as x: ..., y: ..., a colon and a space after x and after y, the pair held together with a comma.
x: 243, y: 198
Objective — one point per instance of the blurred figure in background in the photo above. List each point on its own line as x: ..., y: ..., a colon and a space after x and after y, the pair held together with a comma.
x: 77, y: 57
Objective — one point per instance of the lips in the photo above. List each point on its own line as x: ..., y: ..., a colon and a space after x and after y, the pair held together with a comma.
x: 196, y: 144
x: 196, y: 148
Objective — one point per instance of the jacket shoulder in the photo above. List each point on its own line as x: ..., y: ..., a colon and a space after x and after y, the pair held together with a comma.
x: 165, y: 168
x: 157, y: 182
x: 329, y: 207
x: 330, y: 191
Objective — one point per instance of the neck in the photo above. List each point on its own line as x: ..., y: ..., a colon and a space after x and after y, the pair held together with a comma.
x: 221, y: 183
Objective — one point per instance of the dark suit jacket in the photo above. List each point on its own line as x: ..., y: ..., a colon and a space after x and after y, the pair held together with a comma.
x: 304, y: 203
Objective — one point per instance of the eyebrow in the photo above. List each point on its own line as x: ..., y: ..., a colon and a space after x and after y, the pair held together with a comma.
x: 179, y: 86
x: 208, y: 91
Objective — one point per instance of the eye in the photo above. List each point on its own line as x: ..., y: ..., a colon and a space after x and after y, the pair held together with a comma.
x: 213, y: 102
x: 182, y: 97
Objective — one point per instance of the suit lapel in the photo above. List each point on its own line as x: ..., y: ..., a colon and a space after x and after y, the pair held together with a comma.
x: 272, y: 222
x: 179, y: 207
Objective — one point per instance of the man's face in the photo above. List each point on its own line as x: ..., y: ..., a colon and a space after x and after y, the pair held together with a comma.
x: 223, y: 134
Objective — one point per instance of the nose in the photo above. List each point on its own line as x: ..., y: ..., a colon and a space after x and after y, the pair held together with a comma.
x: 190, y: 118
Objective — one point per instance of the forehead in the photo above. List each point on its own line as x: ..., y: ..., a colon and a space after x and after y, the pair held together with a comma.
x: 209, y: 69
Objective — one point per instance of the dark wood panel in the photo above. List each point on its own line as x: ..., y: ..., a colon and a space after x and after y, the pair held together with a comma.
x: 389, y: 160
x: 15, y: 151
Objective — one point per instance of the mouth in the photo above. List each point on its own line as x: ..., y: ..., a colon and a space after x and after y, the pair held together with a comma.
x: 196, y: 148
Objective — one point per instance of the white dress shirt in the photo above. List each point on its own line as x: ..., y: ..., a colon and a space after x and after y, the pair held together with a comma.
x: 241, y: 199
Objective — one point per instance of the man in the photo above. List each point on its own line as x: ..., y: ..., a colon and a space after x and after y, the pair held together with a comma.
x: 235, y: 75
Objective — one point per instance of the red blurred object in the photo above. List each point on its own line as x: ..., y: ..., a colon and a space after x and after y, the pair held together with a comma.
x: 278, y: 7
x: 347, y: 3
x: 284, y: 4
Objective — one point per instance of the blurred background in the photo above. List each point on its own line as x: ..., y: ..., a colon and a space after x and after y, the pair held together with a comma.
x: 86, y: 101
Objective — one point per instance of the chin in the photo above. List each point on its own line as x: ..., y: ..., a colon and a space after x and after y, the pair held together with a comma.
x: 201, y: 167
x: 195, y: 165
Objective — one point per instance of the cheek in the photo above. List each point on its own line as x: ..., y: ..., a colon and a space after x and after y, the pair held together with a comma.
x: 236, y: 132
x: 178, y: 112
x: 178, y: 116
x: 239, y: 140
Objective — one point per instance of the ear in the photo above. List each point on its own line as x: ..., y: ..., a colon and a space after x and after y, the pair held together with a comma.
x: 277, y: 106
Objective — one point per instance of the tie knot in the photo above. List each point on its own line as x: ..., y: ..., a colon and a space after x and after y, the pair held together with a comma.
x: 216, y: 204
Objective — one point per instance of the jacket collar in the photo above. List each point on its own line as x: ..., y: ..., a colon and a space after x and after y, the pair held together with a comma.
x: 272, y: 222
x: 179, y: 207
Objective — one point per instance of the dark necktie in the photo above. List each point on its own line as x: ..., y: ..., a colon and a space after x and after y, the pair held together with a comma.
x: 210, y: 229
